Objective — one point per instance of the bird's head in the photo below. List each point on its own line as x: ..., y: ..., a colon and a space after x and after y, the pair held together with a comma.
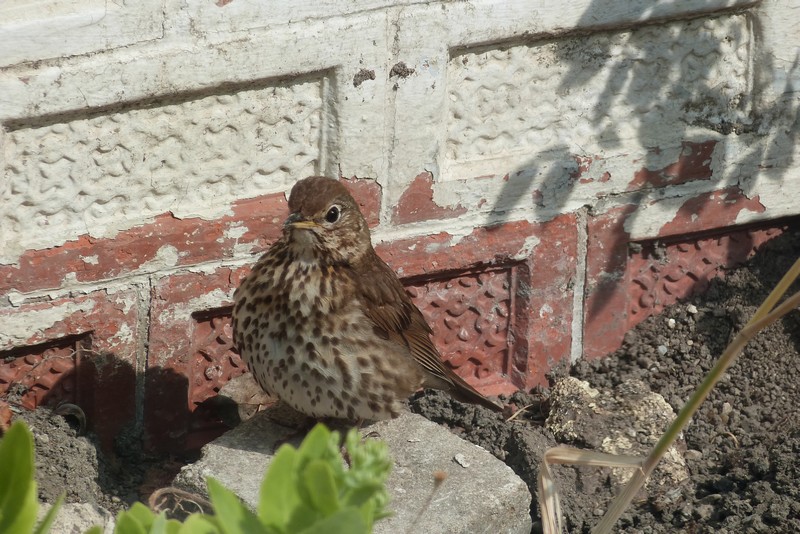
x: 325, y: 217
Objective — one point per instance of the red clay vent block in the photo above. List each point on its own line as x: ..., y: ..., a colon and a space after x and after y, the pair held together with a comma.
x: 628, y: 281
x: 469, y: 315
x: 43, y: 375
x: 214, y: 359
x: 191, y: 357
x: 663, y: 274
x: 213, y: 362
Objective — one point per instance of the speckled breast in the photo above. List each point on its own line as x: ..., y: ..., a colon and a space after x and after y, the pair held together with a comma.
x: 306, y: 340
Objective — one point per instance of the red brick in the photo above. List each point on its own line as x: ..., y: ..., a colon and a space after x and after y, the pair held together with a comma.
x: 416, y: 203
x: 195, y: 240
x: 540, y: 293
x: 190, y: 356
x: 544, y: 300
x: 606, y: 298
x: 470, y: 314
x: 684, y: 268
x: 85, y: 355
x: 694, y: 163
x: 368, y: 195
x: 626, y: 281
x: 717, y: 209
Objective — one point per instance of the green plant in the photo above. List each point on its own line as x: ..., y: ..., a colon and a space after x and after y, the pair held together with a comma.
x: 310, y: 490
x: 18, y: 498
x: 307, y: 490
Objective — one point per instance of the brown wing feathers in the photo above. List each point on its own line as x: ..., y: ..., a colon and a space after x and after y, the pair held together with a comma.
x: 390, y: 308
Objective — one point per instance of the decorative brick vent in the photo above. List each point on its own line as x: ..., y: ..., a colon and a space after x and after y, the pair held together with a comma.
x: 46, y: 374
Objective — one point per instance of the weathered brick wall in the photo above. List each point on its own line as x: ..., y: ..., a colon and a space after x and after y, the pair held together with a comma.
x: 544, y: 175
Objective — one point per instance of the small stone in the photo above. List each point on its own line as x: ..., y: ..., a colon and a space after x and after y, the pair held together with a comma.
x: 662, y: 350
x: 691, y: 308
x: 461, y: 460
x: 704, y: 511
x: 693, y: 454
x: 671, y: 322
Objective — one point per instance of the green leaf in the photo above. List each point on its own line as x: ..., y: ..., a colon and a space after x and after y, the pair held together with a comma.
x: 234, y: 516
x: 143, y: 515
x: 95, y: 530
x: 162, y: 525
x: 317, y: 443
x: 173, y: 526
x: 128, y: 524
x: 345, y: 521
x: 159, y: 525
x: 199, y: 524
x: 360, y: 495
x: 318, y: 477
x: 47, y: 522
x: 18, y: 504
x: 278, y: 495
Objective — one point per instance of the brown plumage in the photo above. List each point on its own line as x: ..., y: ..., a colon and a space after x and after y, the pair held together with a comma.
x: 326, y: 325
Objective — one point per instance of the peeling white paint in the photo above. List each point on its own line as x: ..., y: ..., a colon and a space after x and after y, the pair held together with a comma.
x: 91, y: 260
x: 243, y: 249
x: 530, y: 243
x: 166, y: 256
x: 235, y: 231
x: 124, y: 334
x: 22, y: 325
x: 124, y: 297
x: 206, y: 301
x: 434, y: 247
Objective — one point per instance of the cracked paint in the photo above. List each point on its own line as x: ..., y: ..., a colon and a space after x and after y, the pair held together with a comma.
x: 21, y: 326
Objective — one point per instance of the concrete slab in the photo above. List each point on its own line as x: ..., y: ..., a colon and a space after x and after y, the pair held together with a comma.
x: 74, y: 517
x: 479, y: 494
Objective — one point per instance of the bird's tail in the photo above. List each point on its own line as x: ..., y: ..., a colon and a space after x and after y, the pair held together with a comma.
x: 463, y: 392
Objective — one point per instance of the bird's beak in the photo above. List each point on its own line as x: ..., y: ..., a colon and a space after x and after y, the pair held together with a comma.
x: 296, y: 220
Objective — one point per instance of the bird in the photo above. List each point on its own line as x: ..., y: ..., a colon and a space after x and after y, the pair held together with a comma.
x: 324, y: 324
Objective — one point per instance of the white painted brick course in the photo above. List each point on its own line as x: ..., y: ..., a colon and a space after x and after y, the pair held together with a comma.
x: 113, y: 113
x: 35, y: 30
x: 94, y: 176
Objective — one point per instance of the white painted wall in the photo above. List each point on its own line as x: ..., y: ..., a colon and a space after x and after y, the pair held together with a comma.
x: 115, y: 112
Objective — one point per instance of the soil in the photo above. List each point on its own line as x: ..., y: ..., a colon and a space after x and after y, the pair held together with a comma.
x: 741, y: 450
x: 72, y: 464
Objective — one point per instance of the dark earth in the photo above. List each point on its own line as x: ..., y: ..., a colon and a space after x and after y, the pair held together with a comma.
x: 742, y: 450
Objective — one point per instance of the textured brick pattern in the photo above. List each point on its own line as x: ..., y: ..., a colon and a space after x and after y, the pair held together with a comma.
x: 511, y: 101
x: 41, y: 375
x: 470, y: 317
x: 631, y: 280
x: 68, y: 175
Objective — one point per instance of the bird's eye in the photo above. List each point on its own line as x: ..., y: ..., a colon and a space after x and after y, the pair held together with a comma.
x: 333, y: 214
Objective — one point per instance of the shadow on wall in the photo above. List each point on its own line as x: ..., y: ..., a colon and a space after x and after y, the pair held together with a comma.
x: 687, y: 87
x: 103, y: 386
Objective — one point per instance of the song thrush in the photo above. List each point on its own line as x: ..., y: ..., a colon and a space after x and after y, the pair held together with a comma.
x: 324, y: 323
